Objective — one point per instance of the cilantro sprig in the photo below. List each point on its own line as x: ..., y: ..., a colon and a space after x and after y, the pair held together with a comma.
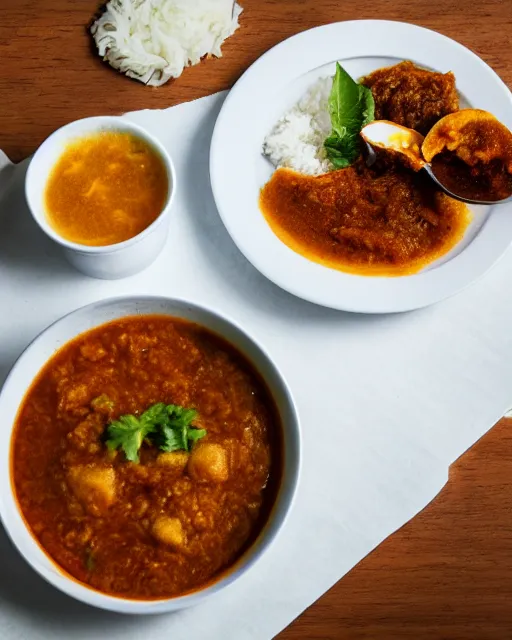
x: 166, y: 426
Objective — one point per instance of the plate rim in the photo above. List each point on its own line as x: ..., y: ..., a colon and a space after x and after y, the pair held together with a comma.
x: 421, y: 289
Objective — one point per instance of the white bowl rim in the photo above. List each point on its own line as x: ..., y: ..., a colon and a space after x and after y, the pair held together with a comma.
x: 95, y: 598
x: 126, y: 125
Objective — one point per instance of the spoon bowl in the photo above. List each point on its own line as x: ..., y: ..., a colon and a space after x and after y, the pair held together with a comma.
x: 427, y: 168
x: 442, y: 154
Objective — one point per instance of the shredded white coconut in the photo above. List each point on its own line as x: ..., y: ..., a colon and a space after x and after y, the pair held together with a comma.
x: 154, y: 40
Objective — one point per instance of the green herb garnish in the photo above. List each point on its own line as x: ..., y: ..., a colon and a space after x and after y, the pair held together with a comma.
x: 128, y: 433
x: 351, y: 107
x: 102, y: 403
x: 175, y: 432
x: 168, y: 427
x: 89, y: 561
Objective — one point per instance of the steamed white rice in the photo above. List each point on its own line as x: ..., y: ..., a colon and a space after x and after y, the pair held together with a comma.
x: 297, y: 139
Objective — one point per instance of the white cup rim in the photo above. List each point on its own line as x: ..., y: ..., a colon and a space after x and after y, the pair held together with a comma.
x: 101, y: 122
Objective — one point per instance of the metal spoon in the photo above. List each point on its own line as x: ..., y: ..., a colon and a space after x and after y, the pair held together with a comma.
x: 385, y: 135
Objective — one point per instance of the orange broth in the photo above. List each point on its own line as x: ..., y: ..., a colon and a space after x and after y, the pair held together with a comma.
x: 105, y: 188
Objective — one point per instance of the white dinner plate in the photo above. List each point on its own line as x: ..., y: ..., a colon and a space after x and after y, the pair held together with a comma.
x: 271, y: 85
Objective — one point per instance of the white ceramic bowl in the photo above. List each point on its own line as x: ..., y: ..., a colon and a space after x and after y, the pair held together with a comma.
x: 42, y: 349
x: 113, y: 261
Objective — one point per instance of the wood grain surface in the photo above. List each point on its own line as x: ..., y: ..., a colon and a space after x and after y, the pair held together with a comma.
x: 448, y: 573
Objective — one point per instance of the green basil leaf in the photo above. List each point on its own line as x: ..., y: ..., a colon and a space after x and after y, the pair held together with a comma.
x: 351, y: 107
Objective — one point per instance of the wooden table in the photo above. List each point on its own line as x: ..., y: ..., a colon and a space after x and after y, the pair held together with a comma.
x: 448, y: 573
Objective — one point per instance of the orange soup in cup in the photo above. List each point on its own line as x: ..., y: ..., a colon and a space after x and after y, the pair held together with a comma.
x: 105, y: 188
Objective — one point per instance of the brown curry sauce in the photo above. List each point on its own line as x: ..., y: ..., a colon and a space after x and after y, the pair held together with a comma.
x: 488, y: 181
x: 106, y: 538
x: 386, y: 221
x: 411, y: 96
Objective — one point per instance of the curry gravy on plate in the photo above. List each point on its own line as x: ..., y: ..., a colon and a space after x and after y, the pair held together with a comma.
x: 385, y: 220
x: 105, y: 188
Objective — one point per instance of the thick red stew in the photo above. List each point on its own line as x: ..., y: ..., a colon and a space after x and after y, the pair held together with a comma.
x: 179, y: 512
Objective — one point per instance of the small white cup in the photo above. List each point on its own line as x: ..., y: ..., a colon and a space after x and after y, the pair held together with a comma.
x: 113, y: 261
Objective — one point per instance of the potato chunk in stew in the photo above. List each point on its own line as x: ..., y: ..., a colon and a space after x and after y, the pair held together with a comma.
x: 173, y: 459
x: 169, y: 531
x: 209, y: 463
x: 94, y: 487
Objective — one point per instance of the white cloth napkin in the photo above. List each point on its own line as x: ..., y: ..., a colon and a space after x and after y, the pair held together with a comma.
x: 387, y: 402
